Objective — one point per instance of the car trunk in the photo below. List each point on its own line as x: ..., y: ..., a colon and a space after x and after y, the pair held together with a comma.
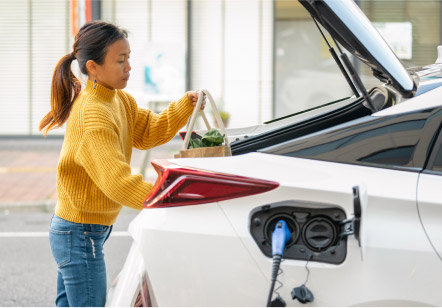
x: 307, y: 122
x: 351, y: 29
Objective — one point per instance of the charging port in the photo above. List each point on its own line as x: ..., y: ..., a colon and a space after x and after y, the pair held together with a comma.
x: 291, y: 224
x: 319, y: 233
x: 315, y: 230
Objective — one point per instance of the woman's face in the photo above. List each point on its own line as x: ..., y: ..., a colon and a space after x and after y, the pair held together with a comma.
x: 114, y: 72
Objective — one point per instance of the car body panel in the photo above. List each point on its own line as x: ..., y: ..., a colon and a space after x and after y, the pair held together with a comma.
x: 187, y: 240
x: 387, y: 246
x: 428, y: 84
x: 124, y: 290
x: 431, y: 211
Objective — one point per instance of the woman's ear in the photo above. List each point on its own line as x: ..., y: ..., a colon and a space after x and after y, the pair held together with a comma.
x: 91, y: 67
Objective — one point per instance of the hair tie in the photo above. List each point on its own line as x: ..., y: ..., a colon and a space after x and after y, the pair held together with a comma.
x: 72, y: 56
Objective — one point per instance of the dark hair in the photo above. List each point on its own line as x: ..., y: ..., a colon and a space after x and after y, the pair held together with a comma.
x: 91, y: 43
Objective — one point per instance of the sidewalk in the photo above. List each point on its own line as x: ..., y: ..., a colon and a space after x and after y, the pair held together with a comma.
x: 28, y: 169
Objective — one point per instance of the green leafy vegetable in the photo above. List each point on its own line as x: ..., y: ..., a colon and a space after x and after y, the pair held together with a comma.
x: 211, y: 138
x: 195, y: 143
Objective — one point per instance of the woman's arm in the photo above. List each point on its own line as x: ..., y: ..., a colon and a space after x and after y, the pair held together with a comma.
x: 153, y: 129
x: 100, y: 155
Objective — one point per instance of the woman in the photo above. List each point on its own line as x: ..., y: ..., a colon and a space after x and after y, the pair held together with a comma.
x: 94, y: 177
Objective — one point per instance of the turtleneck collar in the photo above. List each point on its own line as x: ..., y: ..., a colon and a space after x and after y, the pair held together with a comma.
x: 100, y: 91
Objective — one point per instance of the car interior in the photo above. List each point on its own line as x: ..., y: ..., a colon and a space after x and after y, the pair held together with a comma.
x: 355, y: 108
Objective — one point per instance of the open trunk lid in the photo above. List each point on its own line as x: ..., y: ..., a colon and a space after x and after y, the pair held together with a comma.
x: 346, y: 22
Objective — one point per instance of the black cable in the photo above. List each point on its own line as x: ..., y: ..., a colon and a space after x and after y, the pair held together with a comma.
x: 278, y: 281
x: 280, y: 237
x: 275, y: 271
x: 306, y: 267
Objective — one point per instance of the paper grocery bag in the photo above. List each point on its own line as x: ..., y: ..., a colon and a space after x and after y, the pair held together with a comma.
x: 218, y: 151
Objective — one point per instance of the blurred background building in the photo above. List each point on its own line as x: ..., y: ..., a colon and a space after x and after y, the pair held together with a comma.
x: 260, y: 59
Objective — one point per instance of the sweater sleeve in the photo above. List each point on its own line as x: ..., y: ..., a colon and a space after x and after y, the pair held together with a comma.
x: 153, y: 129
x: 101, y: 156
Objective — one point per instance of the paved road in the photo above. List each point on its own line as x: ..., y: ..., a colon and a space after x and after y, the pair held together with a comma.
x: 27, y: 270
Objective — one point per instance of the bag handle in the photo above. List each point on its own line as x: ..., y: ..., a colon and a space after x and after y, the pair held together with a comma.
x: 219, y: 123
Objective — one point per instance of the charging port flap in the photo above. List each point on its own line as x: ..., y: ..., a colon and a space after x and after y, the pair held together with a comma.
x: 353, y: 226
x: 314, y: 229
x: 319, y: 231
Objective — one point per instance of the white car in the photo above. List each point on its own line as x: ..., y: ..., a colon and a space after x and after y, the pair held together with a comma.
x: 347, y: 195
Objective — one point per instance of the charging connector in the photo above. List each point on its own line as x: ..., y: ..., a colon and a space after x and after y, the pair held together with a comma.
x: 280, y: 237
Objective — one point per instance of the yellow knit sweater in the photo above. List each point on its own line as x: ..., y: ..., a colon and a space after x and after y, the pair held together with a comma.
x: 94, y: 177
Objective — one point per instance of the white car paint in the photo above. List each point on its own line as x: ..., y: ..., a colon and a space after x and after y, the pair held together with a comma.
x: 187, y: 243
x: 203, y: 255
x: 125, y: 288
x: 430, y: 210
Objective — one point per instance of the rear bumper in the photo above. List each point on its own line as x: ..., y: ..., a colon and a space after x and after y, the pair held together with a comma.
x: 194, y: 257
x: 124, y: 290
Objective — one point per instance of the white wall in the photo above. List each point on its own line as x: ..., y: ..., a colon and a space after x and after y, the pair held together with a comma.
x: 14, y: 67
x: 147, y: 21
x: 232, y: 56
x: 207, y: 47
x: 50, y: 41
x: 33, y: 39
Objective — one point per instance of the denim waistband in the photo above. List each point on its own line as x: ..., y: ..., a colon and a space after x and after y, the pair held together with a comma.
x: 86, y: 227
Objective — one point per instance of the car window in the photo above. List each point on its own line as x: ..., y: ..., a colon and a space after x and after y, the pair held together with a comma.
x: 389, y: 144
x: 437, y: 165
x: 435, y: 161
x: 387, y: 141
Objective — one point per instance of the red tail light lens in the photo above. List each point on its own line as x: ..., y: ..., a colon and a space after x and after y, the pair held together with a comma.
x: 144, y: 298
x: 177, y: 186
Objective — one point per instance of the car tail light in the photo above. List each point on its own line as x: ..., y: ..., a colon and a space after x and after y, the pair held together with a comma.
x: 144, y: 298
x: 177, y: 186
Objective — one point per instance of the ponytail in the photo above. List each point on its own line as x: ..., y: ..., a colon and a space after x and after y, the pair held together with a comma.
x: 91, y: 43
x: 64, y: 90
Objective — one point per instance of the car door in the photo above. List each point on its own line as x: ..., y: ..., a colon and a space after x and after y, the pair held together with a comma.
x: 430, y: 200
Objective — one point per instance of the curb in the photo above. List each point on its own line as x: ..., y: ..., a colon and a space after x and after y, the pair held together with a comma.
x: 43, y: 205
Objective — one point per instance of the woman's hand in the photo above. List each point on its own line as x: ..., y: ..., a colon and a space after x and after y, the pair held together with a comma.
x: 193, y: 96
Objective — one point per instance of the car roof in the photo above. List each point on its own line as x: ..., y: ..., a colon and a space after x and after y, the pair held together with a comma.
x: 428, y: 100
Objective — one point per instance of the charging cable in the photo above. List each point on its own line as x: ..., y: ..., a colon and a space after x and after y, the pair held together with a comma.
x: 280, y: 237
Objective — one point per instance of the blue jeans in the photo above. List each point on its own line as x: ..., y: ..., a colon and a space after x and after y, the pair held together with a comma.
x: 78, y: 251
